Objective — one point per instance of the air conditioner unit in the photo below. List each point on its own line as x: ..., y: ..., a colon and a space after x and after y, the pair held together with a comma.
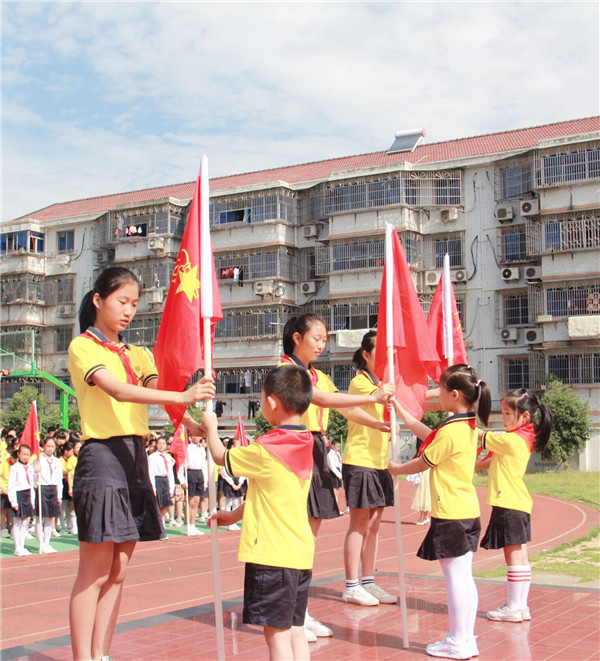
x: 279, y: 291
x: 505, y: 214
x: 509, y: 334
x: 432, y: 278
x: 533, y: 273
x: 449, y: 215
x: 510, y: 274
x: 66, y: 311
x: 309, y: 231
x: 154, y: 296
x: 460, y: 275
x: 263, y: 287
x: 308, y: 287
x: 156, y: 243
x: 102, y: 257
x: 530, y: 207
x: 533, y: 336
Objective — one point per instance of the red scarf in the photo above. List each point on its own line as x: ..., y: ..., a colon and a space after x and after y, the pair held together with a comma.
x: 527, y: 433
x: 469, y: 418
x: 95, y: 335
x: 293, y: 449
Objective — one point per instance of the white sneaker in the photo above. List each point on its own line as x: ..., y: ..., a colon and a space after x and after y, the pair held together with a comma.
x: 318, y: 628
x: 448, y: 648
x: 178, y: 523
x: 28, y: 535
x: 5, y: 533
x: 192, y: 531
x: 203, y: 518
x: 504, y: 614
x: 233, y: 526
x: 48, y: 549
x: 310, y: 636
x: 55, y: 533
x: 380, y: 594
x: 526, y: 614
x: 358, y: 595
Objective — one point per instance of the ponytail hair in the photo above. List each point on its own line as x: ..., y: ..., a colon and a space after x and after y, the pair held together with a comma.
x: 522, y: 400
x: 107, y: 282
x: 367, y: 344
x: 299, y: 325
x: 464, y: 378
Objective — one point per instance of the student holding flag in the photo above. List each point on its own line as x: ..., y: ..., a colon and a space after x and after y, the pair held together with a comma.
x: 114, y: 382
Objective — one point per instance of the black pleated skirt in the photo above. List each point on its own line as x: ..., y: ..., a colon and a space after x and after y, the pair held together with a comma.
x: 321, y: 499
x: 113, y: 496
x: 50, y: 506
x: 507, y: 528
x: 24, y: 505
x: 450, y: 538
x: 367, y: 488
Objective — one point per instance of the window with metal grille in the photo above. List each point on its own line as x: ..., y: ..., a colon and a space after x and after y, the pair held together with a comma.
x: 342, y: 374
x: 516, y: 373
x: 573, y: 301
x: 515, y: 309
x: 516, y: 180
x: 353, y: 316
x: 557, y: 169
x: 514, y: 244
x: 65, y: 241
x: 357, y: 255
x: 451, y: 244
x: 64, y: 335
x: 576, y: 368
x: 143, y: 330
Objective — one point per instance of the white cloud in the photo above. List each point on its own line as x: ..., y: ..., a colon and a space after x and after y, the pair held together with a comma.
x: 106, y: 97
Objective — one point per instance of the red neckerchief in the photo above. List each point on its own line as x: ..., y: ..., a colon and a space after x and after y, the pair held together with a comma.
x: 293, y: 450
x: 469, y: 418
x: 294, y: 360
x: 26, y: 467
x: 527, y: 433
x: 95, y: 335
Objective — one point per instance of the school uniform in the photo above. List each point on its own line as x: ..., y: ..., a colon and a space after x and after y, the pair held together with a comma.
x: 50, y: 484
x: 112, y: 495
x: 367, y: 481
x: 321, y: 498
x: 197, y: 470
x: 276, y: 541
x: 161, y: 476
x: 510, y: 522
x: 228, y: 484
x: 450, y: 452
x: 334, y: 462
x: 20, y: 489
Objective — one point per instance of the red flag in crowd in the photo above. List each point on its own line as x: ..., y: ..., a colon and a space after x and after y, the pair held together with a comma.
x: 444, y: 325
x: 240, y: 431
x: 179, y: 351
x: 31, y: 432
x: 401, y: 325
x: 179, y: 446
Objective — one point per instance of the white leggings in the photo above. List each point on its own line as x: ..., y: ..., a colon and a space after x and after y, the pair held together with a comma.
x: 462, y: 596
x: 231, y: 503
x: 47, y: 520
x: 19, y: 530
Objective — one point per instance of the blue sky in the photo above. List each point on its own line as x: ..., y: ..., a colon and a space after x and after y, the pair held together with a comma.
x: 102, y: 97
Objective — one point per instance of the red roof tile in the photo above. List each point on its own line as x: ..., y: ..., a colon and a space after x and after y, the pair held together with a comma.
x: 492, y: 143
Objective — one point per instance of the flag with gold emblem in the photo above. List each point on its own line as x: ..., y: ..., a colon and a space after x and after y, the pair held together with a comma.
x: 179, y: 349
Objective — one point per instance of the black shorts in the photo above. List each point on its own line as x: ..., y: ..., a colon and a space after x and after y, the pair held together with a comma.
x: 507, y: 528
x: 275, y: 597
x: 367, y: 488
x: 195, y: 480
x: 450, y: 538
x: 321, y: 499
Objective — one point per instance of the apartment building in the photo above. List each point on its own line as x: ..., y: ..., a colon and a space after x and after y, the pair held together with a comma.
x: 518, y: 212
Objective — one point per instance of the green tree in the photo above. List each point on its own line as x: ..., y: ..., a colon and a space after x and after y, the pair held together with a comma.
x: 433, y: 418
x: 337, y: 427
x: 15, y: 416
x: 195, y: 413
x: 262, y: 426
x: 572, y: 425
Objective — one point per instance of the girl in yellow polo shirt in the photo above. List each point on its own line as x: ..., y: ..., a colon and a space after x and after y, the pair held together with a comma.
x: 450, y: 452
x: 113, y: 497
x: 304, y: 339
x: 528, y: 423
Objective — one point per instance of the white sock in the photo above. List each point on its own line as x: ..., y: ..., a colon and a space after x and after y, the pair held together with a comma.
x: 19, y: 531
x: 462, y: 596
x: 518, y: 579
x: 47, y: 531
x: 367, y: 580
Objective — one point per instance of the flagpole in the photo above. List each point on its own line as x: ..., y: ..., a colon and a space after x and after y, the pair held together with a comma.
x: 389, y: 333
x: 447, y: 313
x: 206, y: 278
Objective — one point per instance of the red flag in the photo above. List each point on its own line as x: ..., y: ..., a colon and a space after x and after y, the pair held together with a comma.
x: 31, y: 431
x: 444, y: 325
x: 403, y: 328
x: 179, y: 350
x: 179, y: 446
x: 240, y: 432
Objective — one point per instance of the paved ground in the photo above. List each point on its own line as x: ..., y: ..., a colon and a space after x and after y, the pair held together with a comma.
x: 167, y: 610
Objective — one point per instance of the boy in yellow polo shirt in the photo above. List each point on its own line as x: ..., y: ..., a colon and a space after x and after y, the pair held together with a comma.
x: 276, y: 542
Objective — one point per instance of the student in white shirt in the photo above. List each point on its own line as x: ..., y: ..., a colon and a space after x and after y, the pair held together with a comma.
x: 50, y: 481
x: 192, y: 473
x: 334, y: 462
x: 161, y: 476
x: 21, y: 494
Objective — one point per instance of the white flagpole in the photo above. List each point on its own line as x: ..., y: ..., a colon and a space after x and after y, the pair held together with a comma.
x: 447, y: 312
x: 206, y: 280
x: 389, y: 334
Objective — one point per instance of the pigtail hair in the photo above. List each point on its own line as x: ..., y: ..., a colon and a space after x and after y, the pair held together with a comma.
x: 87, y: 312
x: 288, y: 336
x: 543, y: 427
x: 484, y: 404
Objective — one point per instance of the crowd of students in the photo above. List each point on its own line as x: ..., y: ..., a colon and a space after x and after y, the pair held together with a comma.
x: 291, y: 478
